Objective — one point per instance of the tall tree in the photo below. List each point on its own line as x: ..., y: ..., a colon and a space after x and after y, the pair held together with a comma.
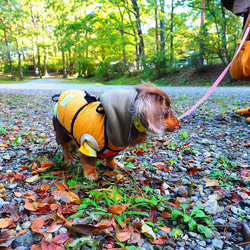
x: 139, y: 30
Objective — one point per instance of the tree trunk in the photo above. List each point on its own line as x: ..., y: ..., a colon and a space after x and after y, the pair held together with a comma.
x: 39, y: 63
x: 19, y: 62
x: 162, y: 25
x: 139, y: 31
x: 45, y: 62
x: 33, y: 40
x: 156, y: 27
x: 71, y: 64
x: 64, y: 66
x: 9, y: 57
x: 172, y: 34
x: 202, y: 31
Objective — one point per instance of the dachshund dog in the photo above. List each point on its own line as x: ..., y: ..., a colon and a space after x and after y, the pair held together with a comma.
x: 103, y: 127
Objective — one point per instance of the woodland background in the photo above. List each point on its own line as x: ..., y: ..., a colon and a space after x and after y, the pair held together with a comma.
x: 112, y: 38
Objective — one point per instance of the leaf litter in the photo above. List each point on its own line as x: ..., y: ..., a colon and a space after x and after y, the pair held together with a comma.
x: 188, y: 189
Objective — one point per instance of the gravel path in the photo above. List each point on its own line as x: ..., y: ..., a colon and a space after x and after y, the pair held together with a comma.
x: 204, y: 165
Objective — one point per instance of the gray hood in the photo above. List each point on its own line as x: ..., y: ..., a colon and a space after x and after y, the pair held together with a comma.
x: 118, y: 105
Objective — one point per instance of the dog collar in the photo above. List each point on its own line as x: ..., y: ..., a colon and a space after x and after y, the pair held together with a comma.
x: 138, y: 125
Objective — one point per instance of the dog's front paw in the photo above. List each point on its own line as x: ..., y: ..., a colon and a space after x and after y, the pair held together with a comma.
x: 69, y: 160
x: 112, y: 163
x: 90, y: 173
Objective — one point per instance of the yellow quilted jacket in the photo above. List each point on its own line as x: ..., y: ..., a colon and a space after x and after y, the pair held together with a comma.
x: 83, y: 117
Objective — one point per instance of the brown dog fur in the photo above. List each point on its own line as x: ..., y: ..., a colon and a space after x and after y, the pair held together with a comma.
x: 153, y: 108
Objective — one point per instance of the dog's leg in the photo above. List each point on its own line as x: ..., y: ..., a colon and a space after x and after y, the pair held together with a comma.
x: 89, y: 167
x: 68, y: 158
x: 112, y: 163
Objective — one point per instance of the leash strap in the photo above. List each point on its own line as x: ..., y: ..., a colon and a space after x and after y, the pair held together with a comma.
x: 216, y: 83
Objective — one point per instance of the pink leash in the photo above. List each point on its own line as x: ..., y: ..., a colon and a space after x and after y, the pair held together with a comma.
x: 218, y: 79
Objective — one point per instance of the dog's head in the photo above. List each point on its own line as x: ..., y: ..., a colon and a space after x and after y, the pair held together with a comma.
x: 153, y: 108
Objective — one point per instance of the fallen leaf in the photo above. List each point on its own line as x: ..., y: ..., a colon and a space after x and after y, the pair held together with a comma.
x: 124, y: 234
x: 3, y: 145
x: 51, y: 246
x: 165, y: 229
x: 61, y: 238
x: 118, y: 209
x: 211, y: 183
x: 166, y: 215
x: 160, y: 241
x: 32, y: 179
x: 147, y: 231
x: 5, y: 222
x: 55, y: 226
x: 37, y: 225
x: 61, y: 186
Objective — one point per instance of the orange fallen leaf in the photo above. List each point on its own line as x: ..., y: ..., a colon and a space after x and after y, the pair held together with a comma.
x: 160, y: 241
x: 61, y: 238
x: 5, y: 222
x: 3, y: 145
x: 28, y: 205
x: 37, y: 225
x: 61, y: 186
x: 55, y: 226
x: 165, y: 229
x: 124, y: 234
x: 118, y: 209
x: 46, y: 164
x: 21, y: 232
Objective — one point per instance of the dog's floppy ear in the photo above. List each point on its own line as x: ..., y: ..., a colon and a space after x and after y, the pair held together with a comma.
x: 150, y: 105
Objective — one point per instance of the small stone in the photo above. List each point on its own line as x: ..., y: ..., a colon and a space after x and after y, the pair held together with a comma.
x: 25, y: 240
x: 217, y: 244
x: 211, y: 206
x: 26, y: 225
x: 201, y: 243
x: 192, y: 234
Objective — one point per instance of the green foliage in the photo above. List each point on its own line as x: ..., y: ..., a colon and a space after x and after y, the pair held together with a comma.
x: 225, y: 174
x: 193, y: 220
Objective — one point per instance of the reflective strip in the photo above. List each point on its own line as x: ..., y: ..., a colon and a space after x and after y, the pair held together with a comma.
x: 92, y: 141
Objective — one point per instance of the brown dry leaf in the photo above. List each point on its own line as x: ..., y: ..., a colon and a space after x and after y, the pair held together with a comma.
x: 36, y: 247
x: 3, y: 145
x: 55, y: 226
x: 211, y: 183
x: 5, y: 222
x: 165, y: 229
x: 61, y: 186
x: 110, y: 173
x: 67, y: 197
x: 124, y: 234
x: 32, y: 178
x: 160, y: 241
x: 34, y: 166
x: 37, y: 225
x: 103, y: 224
x: 51, y: 246
x: 46, y: 164
x: 61, y: 238
x: 53, y: 207
x: 118, y: 209
x: 28, y: 205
